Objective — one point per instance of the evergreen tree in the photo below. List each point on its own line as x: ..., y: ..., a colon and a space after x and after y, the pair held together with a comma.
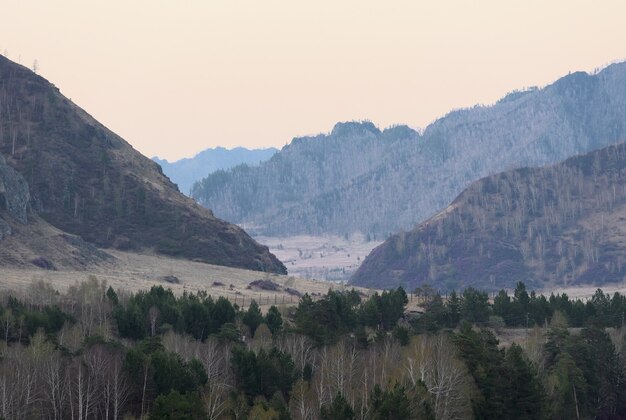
x: 474, y: 305
x: 390, y: 404
x: 339, y: 409
x: 177, y: 406
x: 453, y: 307
x: 484, y: 360
x: 274, y: 320
x: 253, y: 317
x: 523, y: 396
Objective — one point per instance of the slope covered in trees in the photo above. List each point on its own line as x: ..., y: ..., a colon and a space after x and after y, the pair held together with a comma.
x: 86, y: 180
x: 185, y: 172
x: 558, y: 225
x: 357, y: 178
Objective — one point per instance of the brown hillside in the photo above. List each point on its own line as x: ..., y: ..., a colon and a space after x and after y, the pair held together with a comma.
x: 37, y: 245
x: 559, y: 225
x: 86, y: 180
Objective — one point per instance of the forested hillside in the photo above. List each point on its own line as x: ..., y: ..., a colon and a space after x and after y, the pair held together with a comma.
x: 357, y: 178
x: 185, y: 172
x: 86, y: 180
x: 96, y: 352
x: 558, y: 225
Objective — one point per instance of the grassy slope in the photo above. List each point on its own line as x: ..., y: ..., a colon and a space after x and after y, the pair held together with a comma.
x: 130, y: 272
x: 86, y: 180
x: 560, y: 225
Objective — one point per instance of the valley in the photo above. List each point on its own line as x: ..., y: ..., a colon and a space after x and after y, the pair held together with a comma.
x: 331, y: 258
x: 353, y: 211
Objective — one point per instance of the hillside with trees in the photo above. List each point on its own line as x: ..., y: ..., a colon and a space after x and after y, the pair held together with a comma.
x: 96, y: 352
x: 556, y: 226
x: 185, y: 172
x: 359, y: 178
x: 85, y: 180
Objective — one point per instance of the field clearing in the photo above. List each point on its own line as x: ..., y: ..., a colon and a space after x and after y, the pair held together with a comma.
x: 585, y: 291
x: 133, y: 272
x: 329, y: 257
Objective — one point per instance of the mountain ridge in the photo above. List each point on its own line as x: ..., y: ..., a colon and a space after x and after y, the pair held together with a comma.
x: 398, y: 177
x: 87, y: 181
x: 185, y: 172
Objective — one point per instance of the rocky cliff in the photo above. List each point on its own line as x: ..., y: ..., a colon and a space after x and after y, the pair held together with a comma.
x: 14, y: 198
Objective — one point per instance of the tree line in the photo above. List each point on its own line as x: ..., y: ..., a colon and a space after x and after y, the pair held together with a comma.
x: 96, y: 352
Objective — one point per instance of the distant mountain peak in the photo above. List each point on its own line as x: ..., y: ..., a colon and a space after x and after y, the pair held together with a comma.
x: 187, y: 171
x: 399, y: 132
x: 354, y: 128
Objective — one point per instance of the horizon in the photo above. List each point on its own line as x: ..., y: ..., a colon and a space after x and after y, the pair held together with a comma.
x: 176, y: 79
x: 420, y: 129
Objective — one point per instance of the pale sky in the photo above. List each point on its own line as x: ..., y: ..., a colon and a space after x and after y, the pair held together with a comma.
x: 176, y: 77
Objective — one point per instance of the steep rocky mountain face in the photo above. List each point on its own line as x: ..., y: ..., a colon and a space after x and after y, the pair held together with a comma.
x: 14, y: 198
x: 559, y: 225
x: 28, y: 240
x: 358, y: 178
x: 186, y: 172
x: 86, y: 180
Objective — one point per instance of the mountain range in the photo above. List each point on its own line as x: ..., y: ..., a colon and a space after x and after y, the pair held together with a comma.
x: 359, y: 178
x: 185, y: 172
x: 77, y: 178
x: 560, y: 225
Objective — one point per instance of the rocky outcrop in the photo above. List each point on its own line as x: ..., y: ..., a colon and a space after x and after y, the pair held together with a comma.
x: 5, y: 229
x: 14, y: 197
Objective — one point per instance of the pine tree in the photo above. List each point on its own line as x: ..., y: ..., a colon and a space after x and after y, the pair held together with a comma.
x: 523, y: 396
x: 339, y: 409
x: 253, y: 317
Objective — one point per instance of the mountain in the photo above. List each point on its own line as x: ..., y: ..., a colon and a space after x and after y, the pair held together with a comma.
x: 28, y: 240
x: 185, y: 172
x: 85, y: 180
x: 358, y: 178
x: 558, y: 225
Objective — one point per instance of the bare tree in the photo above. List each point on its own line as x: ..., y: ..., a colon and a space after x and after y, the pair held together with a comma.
x: 153, y: 315
x: 7, y: 322
x: 214, y: 398
x: 299, y: 347
x: 114, y: 387
x: 302, y: 401
x: 55, y: 393
x: 17, y: 383
x: 430, y: 361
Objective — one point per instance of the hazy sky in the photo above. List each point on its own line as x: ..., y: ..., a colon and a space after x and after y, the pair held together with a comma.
x: 175, y: 77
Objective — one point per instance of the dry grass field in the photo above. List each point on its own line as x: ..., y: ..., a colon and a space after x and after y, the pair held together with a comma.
x: 329, y: 257
x: 133, y: 272
x: 586, y: 291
